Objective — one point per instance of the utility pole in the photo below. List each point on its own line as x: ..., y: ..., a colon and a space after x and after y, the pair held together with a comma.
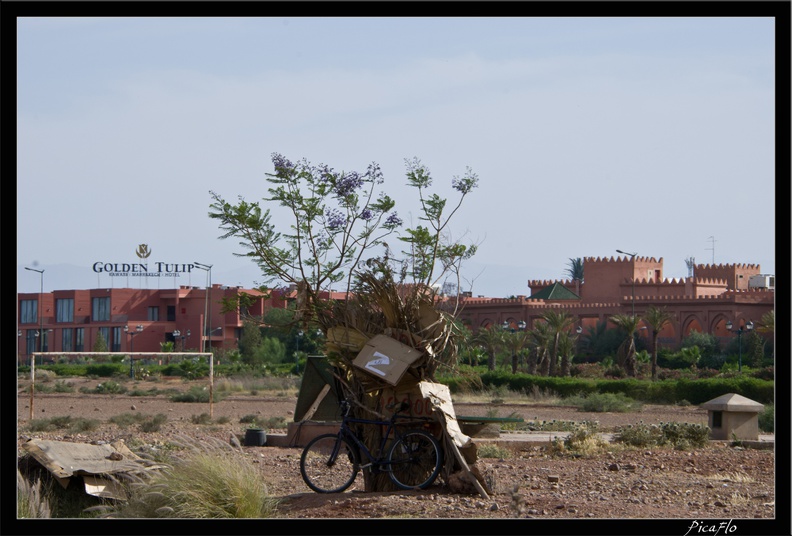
x: 713, y: 249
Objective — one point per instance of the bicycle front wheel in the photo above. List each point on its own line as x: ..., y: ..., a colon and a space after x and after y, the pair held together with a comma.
x: 414, y: 460
x: 329, y: 464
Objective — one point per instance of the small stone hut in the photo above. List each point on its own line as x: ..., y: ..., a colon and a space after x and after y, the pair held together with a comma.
x: 732, y: 416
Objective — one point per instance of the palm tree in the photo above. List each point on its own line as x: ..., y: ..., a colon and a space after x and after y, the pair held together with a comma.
x: 566, y: 348
x: 626, y: 352
x: 767, y: 325
x: 491, y: 338
x: 558, y: 323
x: 657, y: 320
x: 539, y: 340
x: 515, y: 341
x: 575, y: 272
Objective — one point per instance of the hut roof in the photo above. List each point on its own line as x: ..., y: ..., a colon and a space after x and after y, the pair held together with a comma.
x: 733, y: 402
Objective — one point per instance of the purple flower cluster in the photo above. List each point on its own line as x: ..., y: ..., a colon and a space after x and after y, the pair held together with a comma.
x: 348, y: 183
x: 366, y: 215
x: 281, y: 162
x: 393, y: 220
x: 335, y: 219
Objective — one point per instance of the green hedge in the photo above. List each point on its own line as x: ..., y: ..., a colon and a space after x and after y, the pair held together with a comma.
x: 659, y: 392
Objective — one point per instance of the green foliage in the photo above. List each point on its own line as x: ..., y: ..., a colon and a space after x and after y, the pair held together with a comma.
x: 209, y: 481
x: 196, y: 393
x: 681, y: 436
x: 492, y: 450
x: 605, y: 402
x: 100, y: 343
x: 108, y: 387
x: 203, y: 418
x: 249, y: 341
x: 696, y: 391
x: 271, y: 350
x: 599, y: 342
x: 575, y: 270
x: 583, y: 440
x: 767, y: 419
x: 66, y: 422
x: 558, y: 426
x: 106, y: 370
x: 193, y: 368
x: 153, y: 424
x: 707, y: 343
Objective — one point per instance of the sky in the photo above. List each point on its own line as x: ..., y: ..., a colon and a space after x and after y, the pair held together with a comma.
x: 588, y: 135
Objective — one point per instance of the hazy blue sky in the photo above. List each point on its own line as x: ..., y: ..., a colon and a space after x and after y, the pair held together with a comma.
x: 649, y: 135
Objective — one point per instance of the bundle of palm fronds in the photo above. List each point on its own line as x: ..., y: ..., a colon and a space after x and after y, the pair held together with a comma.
x: 381, y: 305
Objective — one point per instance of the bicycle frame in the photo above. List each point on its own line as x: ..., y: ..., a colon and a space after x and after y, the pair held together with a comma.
x: 392, y: 423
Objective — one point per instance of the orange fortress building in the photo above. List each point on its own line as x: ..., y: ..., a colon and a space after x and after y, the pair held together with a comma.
x: 72, y: 320
x: 704, y: 302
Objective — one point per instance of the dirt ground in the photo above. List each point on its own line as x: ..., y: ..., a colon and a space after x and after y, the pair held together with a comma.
x: 720, y: 481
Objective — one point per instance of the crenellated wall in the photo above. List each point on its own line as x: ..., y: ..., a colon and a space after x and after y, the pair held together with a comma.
x: 702, y: 302
x: 604, y: 277
x: 735, y: 275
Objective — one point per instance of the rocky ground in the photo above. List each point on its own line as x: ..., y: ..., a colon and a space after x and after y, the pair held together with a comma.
x: 719, y: 482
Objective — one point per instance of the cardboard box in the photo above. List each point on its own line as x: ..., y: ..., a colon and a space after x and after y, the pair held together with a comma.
x: 386, y: 358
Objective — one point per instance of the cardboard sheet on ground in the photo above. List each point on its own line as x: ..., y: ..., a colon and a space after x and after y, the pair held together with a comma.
x: 64, y: 460
x: 440, y: 397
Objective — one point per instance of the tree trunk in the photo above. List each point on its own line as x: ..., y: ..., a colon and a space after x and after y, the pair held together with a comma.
x: 514, y: 363
x: 654, y: 356
x: 565, y: 365
x: 545, y: 366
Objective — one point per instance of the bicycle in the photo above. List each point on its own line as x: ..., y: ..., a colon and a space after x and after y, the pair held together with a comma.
x: 330, y: 462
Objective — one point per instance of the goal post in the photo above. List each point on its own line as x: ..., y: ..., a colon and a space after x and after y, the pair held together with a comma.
x: 132, y: 357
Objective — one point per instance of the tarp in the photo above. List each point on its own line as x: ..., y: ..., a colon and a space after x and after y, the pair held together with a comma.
x: 318, y: 374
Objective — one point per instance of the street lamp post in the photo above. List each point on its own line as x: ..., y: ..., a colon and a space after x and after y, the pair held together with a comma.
x: 179, y: 335
x: 632, y: 257
x: 40, y: 307
x: 208, y: 269
x: 138, y: 329
x: 748, y: 327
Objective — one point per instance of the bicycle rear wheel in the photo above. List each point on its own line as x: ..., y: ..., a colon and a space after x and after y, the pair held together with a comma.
x: 329, y: 464
x: 414, y: 460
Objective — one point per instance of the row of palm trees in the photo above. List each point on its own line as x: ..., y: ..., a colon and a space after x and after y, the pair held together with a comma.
x: 552, y: 342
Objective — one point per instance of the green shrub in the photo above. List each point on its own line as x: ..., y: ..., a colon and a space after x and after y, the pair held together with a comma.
x: 108, y: 387
x: 196, y: 393
x: 154, y: 424
x: 767, y: 419
x: 492, y: 450
x: 63, y: 387
x: 680, y: 436
x: 602, y: 402
x: 64, y: 422
x: 209, y: 481
x: 203, y: 418
x: 125, y: 420
x: 106, y: 370
x: 254, y: 421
